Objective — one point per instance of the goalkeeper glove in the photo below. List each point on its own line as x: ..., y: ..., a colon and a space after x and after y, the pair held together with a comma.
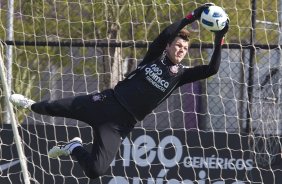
x: 196, y: 14
x: 219, y: 35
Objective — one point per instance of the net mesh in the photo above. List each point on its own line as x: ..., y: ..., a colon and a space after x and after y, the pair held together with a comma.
x: 66, y: 48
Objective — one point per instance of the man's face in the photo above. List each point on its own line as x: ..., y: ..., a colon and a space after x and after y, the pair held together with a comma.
x: 177, y: 50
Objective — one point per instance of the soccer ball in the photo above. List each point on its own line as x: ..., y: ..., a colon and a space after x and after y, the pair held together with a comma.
x: 213, y: 18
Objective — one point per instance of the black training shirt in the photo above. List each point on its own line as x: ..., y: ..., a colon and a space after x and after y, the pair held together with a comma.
x: 156, y: 77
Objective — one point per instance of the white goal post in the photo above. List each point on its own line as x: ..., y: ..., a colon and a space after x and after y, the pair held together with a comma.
x: 226, y: 128
x: 13, y: 119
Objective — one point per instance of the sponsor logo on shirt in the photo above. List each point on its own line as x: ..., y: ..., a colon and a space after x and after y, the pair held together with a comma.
x: 153, y: 75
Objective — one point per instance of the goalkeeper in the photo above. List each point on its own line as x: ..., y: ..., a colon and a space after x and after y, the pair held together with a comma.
x: 113, y: 113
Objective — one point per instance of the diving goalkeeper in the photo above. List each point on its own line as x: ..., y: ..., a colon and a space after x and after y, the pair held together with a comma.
x: 113, y: 113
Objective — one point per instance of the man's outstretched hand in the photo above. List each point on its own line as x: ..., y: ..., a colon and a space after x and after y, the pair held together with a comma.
x: 220, y: 34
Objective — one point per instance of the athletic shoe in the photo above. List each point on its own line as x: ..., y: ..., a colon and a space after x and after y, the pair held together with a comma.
x: 21, y: 101
x: 65, y: 150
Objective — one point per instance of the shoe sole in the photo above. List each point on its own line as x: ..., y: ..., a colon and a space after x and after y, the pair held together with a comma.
x: 14, y: 99
x: 56, y: 152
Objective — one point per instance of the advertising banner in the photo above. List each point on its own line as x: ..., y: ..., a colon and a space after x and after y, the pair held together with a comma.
x: 146, y: 156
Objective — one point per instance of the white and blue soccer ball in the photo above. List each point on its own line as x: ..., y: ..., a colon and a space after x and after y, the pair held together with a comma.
x: 213, y: 18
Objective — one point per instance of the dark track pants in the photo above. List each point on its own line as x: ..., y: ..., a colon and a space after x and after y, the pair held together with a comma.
x: 109, y: 120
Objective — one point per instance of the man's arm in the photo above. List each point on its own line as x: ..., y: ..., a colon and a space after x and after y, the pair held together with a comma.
x: 205, y: 71
x: 213, y: 66
x: 159, y: 44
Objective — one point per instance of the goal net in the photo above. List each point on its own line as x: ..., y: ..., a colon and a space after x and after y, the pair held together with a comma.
x: 223, y: 129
